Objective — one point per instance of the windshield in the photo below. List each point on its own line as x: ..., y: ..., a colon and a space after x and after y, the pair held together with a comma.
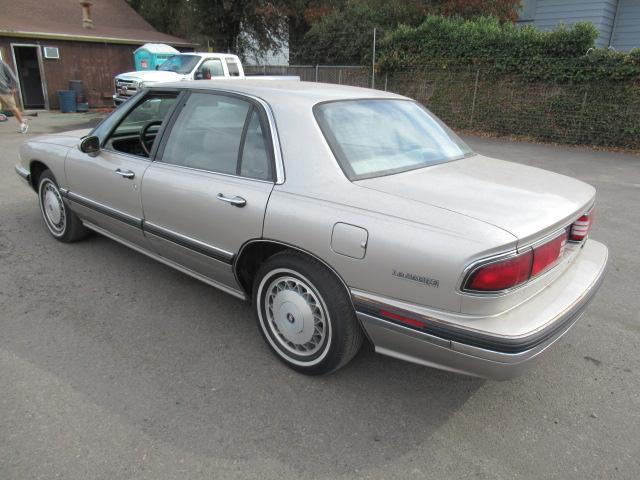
x: 372, y: 138
x: 179, y: 63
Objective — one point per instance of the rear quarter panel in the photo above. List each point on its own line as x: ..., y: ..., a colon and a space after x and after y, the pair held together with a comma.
x: 435, y: 246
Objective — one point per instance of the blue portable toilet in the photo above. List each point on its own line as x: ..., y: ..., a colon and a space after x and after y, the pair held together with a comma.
x: 151, y: 55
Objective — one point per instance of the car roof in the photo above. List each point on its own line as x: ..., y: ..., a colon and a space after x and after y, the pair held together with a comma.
x: 202, y: 54
x: 287, y: 91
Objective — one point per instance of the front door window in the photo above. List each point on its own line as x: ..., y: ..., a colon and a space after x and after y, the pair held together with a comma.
x: 137, y: 131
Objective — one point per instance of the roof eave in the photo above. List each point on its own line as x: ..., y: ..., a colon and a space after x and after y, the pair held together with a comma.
x: 91, y: 38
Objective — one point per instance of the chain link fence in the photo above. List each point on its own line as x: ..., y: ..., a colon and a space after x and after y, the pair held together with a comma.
x: 470, y: 98
x: 356, y: 76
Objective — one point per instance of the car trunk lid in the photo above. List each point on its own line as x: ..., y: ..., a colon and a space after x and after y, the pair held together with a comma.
x: 525, y: 201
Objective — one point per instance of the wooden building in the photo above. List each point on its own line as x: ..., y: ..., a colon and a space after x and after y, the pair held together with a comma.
x: 49, y: 42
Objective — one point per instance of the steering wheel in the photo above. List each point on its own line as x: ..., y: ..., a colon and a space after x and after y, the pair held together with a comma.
x: 143, y: 136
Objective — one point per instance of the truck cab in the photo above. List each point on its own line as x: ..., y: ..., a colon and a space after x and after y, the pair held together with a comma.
x: 179, y: 67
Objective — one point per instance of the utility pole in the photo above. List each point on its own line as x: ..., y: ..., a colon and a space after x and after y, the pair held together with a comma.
x: 373, y: 61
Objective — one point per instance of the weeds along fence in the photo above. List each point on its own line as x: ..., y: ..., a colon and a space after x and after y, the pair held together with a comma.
x: 472, y: 98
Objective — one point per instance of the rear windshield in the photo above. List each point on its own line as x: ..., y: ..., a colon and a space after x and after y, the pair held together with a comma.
x: 180, y: 63
x: 372, y: 138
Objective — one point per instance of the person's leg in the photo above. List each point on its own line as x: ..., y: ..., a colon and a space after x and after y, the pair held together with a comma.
x: 16, y: 113
x: 9, y: 102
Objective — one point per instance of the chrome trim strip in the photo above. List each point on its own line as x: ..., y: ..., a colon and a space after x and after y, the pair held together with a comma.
x: 105, y: 210
x: 23, y: 173
x: 232, y: 291
x: 188, y: 242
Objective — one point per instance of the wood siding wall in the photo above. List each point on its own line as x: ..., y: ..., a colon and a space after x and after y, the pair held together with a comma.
x: 626, y: 32
x: 96, y: 64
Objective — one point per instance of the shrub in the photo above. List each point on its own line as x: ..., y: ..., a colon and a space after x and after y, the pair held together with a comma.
x: 566, y: 54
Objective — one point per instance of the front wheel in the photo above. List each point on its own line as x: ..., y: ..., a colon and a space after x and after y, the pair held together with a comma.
x: 61, y: 222
x: 305, y: 314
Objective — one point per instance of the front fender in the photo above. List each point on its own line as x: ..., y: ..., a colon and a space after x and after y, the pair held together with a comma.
x: 36, y: 156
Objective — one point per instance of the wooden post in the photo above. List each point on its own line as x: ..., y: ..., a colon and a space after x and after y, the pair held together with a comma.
x: 373, y: 61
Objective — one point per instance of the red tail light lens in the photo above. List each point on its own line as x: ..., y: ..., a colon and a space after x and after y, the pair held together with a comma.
x: 402, y: 319
x: 580, y: 228
x: 502, y: 275
x: 513, y: 271
x: 545, y: 256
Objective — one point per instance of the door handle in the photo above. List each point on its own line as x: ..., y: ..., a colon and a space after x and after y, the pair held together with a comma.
x: 125, y: 174
x: 235, y: 201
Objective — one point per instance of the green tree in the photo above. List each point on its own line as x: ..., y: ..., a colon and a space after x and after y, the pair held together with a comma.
x: 345, y: 34
x: 225, y: 25
x: 504, y: 10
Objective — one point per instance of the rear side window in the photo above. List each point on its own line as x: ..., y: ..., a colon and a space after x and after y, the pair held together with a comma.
x: 377, y: 137
x: 232, y: 66
x: 254, y: 161
x: 220, y: 134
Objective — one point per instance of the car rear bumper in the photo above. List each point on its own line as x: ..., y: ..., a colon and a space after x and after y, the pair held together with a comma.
x: 445, y: 345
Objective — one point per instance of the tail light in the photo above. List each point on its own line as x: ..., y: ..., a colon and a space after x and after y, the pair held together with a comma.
x: 546, y: 255
x: 513, y: 271
x: 503, y: 274
x: 580, y: 228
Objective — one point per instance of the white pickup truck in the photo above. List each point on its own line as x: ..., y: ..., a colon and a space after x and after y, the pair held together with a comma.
x: 183, y: 66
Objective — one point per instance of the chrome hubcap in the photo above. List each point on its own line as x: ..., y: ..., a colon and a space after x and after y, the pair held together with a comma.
x: 52, y: 207
x: 296, y: 316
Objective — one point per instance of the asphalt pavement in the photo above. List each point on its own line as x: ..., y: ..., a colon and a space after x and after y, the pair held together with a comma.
x: 114, y: 366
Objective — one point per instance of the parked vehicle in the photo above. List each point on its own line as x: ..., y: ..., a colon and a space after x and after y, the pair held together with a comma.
x: 340, y: 213
x: 179, y: 67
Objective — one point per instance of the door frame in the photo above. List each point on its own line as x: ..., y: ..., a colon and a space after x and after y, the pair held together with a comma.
x: 40, y: 67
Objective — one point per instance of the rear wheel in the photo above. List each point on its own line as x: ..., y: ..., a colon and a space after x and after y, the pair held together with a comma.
x: 61, y: 222
x: 305, y: 314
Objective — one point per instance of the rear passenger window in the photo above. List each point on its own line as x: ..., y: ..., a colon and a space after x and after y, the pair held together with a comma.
x: 254, y: 161
x: 219, y: 134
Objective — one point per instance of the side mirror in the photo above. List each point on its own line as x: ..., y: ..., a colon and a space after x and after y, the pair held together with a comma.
x: 90, y: 145
x: 157, y: 67
x: 198, y: 76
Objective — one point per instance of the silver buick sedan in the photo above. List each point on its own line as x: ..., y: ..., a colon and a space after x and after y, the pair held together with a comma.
x: 341, y: 213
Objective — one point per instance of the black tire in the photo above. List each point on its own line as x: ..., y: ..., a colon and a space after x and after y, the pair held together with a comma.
x: 61, y: 222
x: 294, y: 295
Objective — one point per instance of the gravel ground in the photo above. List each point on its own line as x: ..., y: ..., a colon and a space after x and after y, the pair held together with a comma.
x: 113, y: 366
